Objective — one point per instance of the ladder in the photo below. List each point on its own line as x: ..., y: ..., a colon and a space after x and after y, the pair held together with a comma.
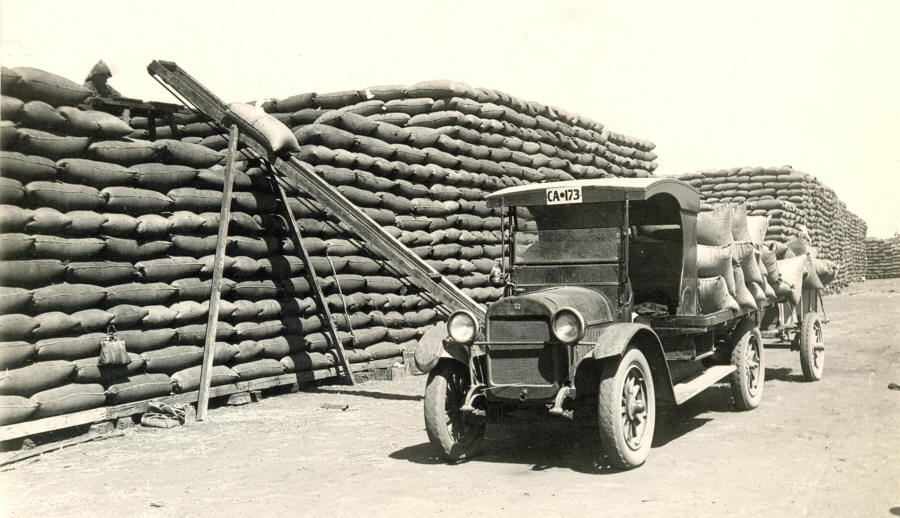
x: 303, y: 178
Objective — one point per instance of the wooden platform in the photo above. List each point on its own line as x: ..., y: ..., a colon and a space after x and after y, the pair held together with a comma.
x: 110, y: 413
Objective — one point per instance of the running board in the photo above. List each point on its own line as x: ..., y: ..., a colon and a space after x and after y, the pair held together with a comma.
x: 688, y: 389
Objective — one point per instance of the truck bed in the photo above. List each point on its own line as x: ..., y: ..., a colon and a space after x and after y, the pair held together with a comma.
x: 695, y: 324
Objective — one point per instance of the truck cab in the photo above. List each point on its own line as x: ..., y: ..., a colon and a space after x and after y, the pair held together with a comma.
x: 599, y: 317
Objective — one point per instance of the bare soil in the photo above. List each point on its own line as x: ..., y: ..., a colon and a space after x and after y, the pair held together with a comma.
x: 830, y: 448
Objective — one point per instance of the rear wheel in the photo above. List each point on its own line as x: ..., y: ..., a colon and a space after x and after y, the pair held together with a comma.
x: 627, y: 410
x: 453, y: 436
x: 812, y: 347
x: 747, y: 380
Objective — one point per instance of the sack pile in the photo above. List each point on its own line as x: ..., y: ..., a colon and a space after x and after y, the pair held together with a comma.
x: 451, y: 125
x: 100, y: 227
x: 739, y: 270
x: 883, y: 256
x: 796, y: 205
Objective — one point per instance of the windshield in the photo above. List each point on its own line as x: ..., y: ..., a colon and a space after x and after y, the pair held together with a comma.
x: 574, y: 245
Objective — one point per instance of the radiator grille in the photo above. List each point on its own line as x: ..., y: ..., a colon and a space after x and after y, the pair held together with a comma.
x: 518, y: 330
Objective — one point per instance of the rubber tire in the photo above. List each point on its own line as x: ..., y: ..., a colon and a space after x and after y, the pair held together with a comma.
x: 612, y: 379
x: 744, y: 398
x: 807, y: 343
x: 441, y: 437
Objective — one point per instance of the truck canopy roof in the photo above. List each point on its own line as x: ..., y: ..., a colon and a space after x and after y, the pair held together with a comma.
x: 599, y: 190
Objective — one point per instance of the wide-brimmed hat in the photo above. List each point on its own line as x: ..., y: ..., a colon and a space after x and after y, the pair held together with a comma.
x: 100, y: 69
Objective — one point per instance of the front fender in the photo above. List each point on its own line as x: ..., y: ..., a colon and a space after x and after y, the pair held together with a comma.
x: 435, y: 345
x: 614, y: 339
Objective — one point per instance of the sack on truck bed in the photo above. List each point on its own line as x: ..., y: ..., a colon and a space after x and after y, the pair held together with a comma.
x: 793, y: 271
x: 714, y: 228
x: 714, y: 296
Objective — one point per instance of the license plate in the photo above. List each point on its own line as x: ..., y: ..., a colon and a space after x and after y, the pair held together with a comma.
x: 559, y: 195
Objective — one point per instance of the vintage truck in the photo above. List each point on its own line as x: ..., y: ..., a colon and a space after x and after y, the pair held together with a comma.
x: 600, y: 317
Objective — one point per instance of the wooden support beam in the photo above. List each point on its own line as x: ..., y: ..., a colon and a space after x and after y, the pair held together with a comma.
x: 212, y: 320
x: 313, y: 281
x: 96, y: 415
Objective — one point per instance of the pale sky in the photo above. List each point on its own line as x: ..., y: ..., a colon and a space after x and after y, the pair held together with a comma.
x: 714, y: 84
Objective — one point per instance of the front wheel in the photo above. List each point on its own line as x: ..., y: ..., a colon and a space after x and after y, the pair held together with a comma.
x: 453, y: 436
x: 812, y: 347
x: 747, y: 379
x: 627, y: 410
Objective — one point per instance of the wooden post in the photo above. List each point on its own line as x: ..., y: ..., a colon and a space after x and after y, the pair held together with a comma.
x: 212, y: 320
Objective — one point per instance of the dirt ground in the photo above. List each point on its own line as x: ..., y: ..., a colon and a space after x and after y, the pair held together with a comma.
x: 830, y: 448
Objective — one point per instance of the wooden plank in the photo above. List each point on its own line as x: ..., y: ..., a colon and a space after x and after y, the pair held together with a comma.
x: 95, y: 415
x: 49, y: 424
x: 212, y: 320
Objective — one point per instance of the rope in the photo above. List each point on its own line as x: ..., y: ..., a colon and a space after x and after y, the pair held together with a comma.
x: 341, y: 294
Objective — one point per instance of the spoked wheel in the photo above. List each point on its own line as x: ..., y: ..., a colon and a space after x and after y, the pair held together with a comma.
x: 747, y: 380
x: 812, y: 347
x: 455, y: 437
x: 627, y: 410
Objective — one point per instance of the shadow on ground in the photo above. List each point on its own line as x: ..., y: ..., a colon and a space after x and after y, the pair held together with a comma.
x: 374, y: 394
x: 783, y: 374
x: 545, y: 443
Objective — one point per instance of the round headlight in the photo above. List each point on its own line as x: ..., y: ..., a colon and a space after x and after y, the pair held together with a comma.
x: 567, y: 325
x: 462, y: 327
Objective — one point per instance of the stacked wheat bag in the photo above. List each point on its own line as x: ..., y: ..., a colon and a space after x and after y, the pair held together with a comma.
x: 883, y: 256
x: 100, y: 226
x: 797, y: 206
x: 740, y: 271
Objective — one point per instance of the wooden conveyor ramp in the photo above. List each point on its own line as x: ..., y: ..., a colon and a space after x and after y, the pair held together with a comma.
x: 302, y: 177
x: 286, y: 169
